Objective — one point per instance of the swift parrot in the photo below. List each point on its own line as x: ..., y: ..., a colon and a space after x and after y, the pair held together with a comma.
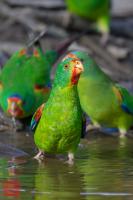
x: 59, y: 120
x: 25, y: 79
x: 107, y: 103
x: 94, y: 10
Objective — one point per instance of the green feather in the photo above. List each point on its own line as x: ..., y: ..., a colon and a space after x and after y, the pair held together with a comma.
x: 127, y: 100
x: 25, y: 79
x: 59, y: 129
x: 94, y: 10
x: 103, y: 100
x: 27, y: 76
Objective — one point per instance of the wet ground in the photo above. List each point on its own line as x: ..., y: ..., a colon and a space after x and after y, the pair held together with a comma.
x: 103, y: 168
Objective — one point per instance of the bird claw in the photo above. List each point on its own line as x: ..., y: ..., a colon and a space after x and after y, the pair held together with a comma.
x: 92, y: 127
x: 39, y: 156
x: 122, y: 133
x: 70, y: 160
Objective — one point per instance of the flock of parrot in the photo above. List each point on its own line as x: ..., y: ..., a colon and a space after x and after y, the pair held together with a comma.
x: 25, y: 79
x: 79, y: 87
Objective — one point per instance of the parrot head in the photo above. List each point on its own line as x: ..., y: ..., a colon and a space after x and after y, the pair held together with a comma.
x: 83, y: 57
x: 15, y: 106
x: 68, y: 72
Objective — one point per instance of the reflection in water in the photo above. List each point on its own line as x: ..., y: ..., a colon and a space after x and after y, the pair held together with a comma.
x: 10, y: 184
x: 103, y: 167
x: 58, y: 180
x: 109, y: 170
x: 16, y: 181
x: 11, y: 188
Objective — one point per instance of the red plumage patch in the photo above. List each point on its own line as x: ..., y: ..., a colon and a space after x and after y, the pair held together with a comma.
x: 11, y: 188
x: 22, y: 52
x: 69, y: 55
x: 36, y: 53
x: 39, y: 88
x: 36, y: 117
x: 75, y: 77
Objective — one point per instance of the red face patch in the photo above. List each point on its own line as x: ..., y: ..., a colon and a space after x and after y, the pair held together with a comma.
x: 15, y: 107
x: 36, y: 53
x: 77, y: 69
x: 17, y: 113
x: 75, y: 77
x: 22, y: 52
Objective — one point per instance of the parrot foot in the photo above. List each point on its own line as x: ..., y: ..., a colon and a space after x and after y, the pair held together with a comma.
x: 122, y: 133
x: 70, y: 158
x: 39, y: 156
x: 122, y: 137
x: 91, y: 127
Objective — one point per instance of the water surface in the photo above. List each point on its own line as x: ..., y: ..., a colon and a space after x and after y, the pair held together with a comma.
x: 103, y: 169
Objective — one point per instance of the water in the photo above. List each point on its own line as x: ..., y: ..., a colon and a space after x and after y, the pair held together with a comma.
x: 103, y: 169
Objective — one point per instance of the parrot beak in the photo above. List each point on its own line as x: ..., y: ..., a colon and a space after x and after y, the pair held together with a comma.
x: 78, y: 67
x: 77, y: 70
x: 15, y: 107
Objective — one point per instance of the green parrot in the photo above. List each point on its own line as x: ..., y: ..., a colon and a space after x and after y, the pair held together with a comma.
x: 25, y: 79
x: 93, y: 10
x: 60, y: 126
x: 107, y: 103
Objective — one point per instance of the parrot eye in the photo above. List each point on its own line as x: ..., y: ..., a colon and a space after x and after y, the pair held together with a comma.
x: 66, y: 66
x: 77, y: 62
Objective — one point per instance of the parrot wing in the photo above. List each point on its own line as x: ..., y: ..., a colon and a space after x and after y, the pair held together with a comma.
x: 36, y: 117
x: 125, y: 99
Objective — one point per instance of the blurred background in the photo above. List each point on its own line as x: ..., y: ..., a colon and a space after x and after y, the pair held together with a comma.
x: 21, y: 19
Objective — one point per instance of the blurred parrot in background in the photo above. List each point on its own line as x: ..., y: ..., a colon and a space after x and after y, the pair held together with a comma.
x: 60, y: 127
x: 25, y: 79
x: 107, y: 103
x: 94, y: 10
